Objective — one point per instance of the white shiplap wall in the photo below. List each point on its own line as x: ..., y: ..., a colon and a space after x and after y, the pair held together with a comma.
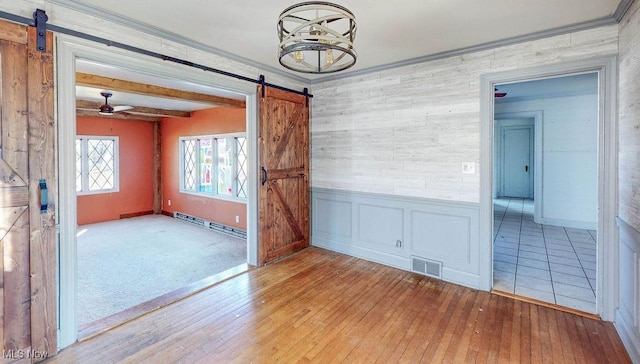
x: 628, y: 315
x: 406, y: 131
x: 629, y: 118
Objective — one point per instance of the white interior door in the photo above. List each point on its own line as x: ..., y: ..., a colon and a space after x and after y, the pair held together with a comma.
x: 517, y: 159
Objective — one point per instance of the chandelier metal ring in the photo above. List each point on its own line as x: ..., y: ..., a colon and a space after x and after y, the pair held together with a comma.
x: 316, y: 37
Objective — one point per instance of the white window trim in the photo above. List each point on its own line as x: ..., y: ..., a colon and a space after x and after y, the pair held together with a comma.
x: 214, y: 194
x: 85, y: 165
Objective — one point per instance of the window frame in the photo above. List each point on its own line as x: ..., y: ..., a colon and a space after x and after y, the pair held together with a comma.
x: 215, y: 168
x: 84, y: 151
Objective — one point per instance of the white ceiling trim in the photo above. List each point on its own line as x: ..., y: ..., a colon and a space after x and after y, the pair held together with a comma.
x: 621, y: 10
x: 476, y: 48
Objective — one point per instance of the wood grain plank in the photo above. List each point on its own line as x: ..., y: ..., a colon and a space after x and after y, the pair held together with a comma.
x: 14, y: 176
x: 14, y: 196
x: 118, y: 116
x: 93, y: 106
x: 296, y: 172
x: 9, y: 177
x: 17, y: 293
x: 12, y: 32
x: 536, y: 346
x: 504, y: 354
x: 157, y: 168
x: 42, y: 247
x: 516, y: 333
x: 450, y: 342
x: 525, y: 333
x: 286, y: 210
x: 320, y: 306
x: 8, y: 217
x: 13, y: 103
x: 115, y: 84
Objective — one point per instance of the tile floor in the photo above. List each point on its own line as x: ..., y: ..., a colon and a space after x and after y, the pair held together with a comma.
x: 554, y: 264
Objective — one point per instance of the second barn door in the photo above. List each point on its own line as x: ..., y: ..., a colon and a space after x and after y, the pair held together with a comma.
x: 283, y: 188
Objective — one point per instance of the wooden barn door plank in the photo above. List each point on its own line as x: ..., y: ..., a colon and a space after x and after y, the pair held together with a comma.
x: 42, y: 223
x: 28, y: 304
x: 284, y: 199
x: 15, y: 290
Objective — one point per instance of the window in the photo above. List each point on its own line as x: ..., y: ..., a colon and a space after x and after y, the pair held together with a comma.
x: 96, y: 164
x: 214, y: 165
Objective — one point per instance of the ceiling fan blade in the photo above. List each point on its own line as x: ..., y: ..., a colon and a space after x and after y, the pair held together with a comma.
x: 122, y: 108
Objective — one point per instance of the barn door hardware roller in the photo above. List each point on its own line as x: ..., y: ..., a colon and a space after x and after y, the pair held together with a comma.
x: 40, y: 21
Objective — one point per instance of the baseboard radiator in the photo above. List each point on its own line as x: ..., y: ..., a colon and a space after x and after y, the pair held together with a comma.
x: 427, y: 267
x: 235, y: 232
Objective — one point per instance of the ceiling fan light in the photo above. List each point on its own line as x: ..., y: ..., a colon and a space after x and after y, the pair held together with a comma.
x: 106, y: 109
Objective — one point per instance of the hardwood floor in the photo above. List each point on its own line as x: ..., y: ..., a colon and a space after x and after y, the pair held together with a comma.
x: 321, y: 306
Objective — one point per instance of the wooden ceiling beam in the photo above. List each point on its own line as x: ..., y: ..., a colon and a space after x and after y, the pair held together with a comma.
x: 114, y: 84
x: 137, y: 110
x: 117, y: 115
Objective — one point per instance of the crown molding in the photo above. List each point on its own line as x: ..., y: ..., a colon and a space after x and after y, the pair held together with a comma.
x: 170, y: 36
x: 622, y: 9
x: 609, y: 20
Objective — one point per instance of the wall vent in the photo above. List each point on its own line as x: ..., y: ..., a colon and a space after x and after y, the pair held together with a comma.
x: 235, y: 232
x: 427, y: 267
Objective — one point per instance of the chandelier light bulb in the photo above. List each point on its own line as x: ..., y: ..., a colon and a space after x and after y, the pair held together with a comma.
x: 328, y: 57
x: 298, y: 56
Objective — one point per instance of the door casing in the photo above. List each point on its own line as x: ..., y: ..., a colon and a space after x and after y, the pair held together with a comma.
x: 68, y: 49
x: 607, y: 251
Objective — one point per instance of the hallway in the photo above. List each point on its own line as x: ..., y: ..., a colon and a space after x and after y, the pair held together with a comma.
x: 549, y: 263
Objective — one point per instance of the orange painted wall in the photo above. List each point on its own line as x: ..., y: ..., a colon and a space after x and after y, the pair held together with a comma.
x: 136, y: 170
x: 217, y: 120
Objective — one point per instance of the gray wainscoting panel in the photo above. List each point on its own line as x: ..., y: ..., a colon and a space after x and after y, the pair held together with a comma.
x: 444, y: 237
x: 390, y: 229
x: 338, y: 222
x: 628, y: 315
x: 380, y: 227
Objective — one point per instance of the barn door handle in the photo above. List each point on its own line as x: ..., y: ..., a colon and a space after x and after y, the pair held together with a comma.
x: 526, y: 168
x: 44, y: 196
x: 264, y: 175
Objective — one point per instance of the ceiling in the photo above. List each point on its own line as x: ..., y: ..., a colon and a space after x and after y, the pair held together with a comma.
x: 147, y: 103
x: 389, y: 32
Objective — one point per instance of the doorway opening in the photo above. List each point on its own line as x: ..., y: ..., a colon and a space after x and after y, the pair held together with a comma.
x: 189, y: 215
x: 545, y: 190
x: 606, y: 249
x: 147, y: 175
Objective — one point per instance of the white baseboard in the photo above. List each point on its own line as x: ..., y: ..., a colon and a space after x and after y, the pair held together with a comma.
x: 629, y: 337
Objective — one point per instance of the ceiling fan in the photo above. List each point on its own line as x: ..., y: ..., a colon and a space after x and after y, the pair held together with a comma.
x: 499, y: 94
x: 107, y: 109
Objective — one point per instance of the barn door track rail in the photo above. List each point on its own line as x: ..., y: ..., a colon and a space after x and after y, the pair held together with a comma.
x: 40, y: 19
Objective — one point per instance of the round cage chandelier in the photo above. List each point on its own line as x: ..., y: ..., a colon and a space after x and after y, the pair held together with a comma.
x: 316, y: 37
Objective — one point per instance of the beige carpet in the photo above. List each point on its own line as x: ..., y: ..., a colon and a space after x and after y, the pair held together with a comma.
x: 126, y: 262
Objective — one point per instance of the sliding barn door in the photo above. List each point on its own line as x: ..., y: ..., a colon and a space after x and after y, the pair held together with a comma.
x: 27, y: 236
x: 283, y: 192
